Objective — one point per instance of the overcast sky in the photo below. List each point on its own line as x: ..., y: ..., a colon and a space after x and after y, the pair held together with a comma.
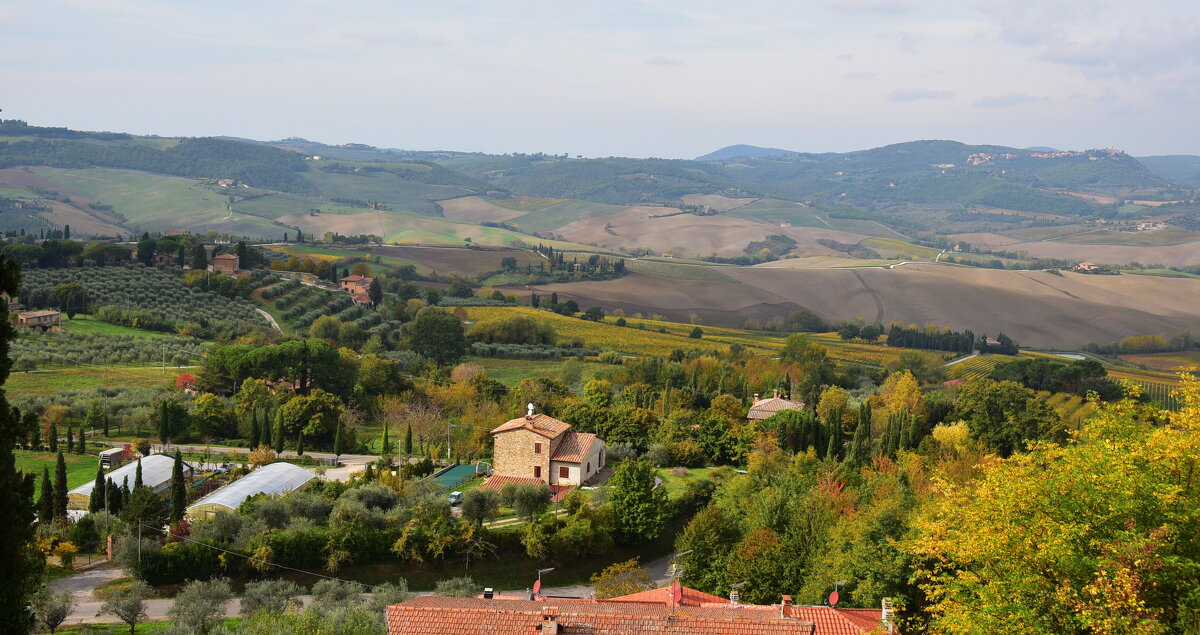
x: 613, y: 77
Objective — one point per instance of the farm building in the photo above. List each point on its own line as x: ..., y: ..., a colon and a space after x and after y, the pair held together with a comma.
x: 156, y: 474
x: 274, y: 479
x: 225, y: 263
x: 763, y: 408
x: 356, y: 284
x: 39, y: 319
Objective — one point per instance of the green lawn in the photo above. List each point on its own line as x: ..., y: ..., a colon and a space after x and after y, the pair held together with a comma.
x: 143, y: 628
x: 84, y: 378
x: 510, y: 372
x: 80, y: 468
x: 676, y: 483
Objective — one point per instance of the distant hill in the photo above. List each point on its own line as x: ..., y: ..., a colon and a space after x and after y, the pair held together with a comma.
x: 1180, y: 169
x: 742, y: 150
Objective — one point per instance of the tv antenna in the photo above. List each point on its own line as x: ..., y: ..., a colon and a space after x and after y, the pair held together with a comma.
x: 734, y: 596
x: 675, y: 570
x: 833, y: 597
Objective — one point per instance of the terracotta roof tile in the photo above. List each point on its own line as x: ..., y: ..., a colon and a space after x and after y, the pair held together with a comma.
x: 764, y: 408
x: 573, y: 447
x: 662, y: 595
x: 497, y: 481
x: 544, y: 425
x: 476, y: 616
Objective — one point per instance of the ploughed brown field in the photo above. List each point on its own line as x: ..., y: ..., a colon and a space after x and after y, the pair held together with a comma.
x: 1038, y: 309
x: 664, y: 230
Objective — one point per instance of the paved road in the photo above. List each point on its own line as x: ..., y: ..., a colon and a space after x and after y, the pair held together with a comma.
x: 270, y: 319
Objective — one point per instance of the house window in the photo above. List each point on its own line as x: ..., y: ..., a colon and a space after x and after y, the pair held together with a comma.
x: 537, y: 471
x: 589, y: 468
x: 537, y: 448
x: 564, y: 472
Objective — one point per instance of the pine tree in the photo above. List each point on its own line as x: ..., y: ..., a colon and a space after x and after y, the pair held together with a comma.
x: 46, y: 502
x: 54, y: 437
x: 408, y: 441
x: 178, y: 489
x: 137, y: 475
x: 96, y: 501
x: 60, y: 488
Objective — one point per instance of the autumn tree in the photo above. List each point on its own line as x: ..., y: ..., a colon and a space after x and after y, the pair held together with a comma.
x: 621, y: 578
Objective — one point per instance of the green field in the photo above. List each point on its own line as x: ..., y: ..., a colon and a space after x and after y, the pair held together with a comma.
x: 81, y: 468
x: 1166, y: 273
x: 667, y: 269
x: 48, y: 382
x: 892, y: 247
x: 400, y: 194
x: 1156, y: 238
x: 83, y: 323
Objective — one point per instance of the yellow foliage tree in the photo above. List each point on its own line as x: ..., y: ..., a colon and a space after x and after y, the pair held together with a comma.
x: 901, y: 393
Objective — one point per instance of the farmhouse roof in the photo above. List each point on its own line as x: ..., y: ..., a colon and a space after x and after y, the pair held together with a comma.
x: 354, y: 278
x: 38, y: 314
x: 763, y: 408
x: 539, y: 423
x: 362, y: 298
x: 573, y: 447
x: 225, y: 257
x: 433, y: 615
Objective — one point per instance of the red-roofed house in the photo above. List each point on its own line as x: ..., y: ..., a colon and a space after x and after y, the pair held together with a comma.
x: 763, y: 408
x: 497, y: 615
x: 542, y: 448
x: 355, y: 285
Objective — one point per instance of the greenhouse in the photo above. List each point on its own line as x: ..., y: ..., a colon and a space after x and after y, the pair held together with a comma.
x: 156, y: 474
x: 274, y: 479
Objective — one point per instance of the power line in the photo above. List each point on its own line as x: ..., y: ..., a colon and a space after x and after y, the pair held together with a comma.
x: 273, y: 564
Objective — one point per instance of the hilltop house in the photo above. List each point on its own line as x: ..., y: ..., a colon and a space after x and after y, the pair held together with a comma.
x: 763, y: 408
x: 539, y: 448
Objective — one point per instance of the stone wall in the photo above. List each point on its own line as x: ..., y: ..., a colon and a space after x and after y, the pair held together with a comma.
x: 514, y: 456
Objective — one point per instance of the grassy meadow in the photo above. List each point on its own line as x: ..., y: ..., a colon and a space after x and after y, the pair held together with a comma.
x: 81, y: 468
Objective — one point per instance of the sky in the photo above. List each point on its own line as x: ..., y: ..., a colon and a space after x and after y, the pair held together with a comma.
x: 614, y: 77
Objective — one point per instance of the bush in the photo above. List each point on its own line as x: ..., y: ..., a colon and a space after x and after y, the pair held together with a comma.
x: 274, y: 596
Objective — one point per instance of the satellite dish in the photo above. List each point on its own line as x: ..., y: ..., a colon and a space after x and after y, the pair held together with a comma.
x: 676, y: 592
x: 537, y: 587
x: 833, y: 598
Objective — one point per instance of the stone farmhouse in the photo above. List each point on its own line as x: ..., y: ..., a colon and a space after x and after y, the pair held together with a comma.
x: 225, y: 263
x: 358, y: 287
x: 44, y: 320
x: 538, y: 448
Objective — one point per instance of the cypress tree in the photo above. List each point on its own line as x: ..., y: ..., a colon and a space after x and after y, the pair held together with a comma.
x: 337, y: 441
x: 300, y: 444
x: 113, y: 495
x: 199, y: 257
x: 408, y: 440
x: 264, y: 431
x: 278, y: 436
x: 46, y: 502
x: 253, y: 430
x: 82, y: 440
x: 70, y: 439
x: 125, y: 489
x: 54, y: 437
x: 60, y: 488
x: 137, y: 475
x: 96, y: 501
x: 386, y: 442
x: 31, y: 421
x: 164, y: 425
x: 178, y: 489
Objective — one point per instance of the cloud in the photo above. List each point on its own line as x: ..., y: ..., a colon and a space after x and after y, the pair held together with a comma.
x: 664, y: 61
x: 860, y: 75
x: 1005, y: 101
x: 888, y: 7
x: 918, y: 94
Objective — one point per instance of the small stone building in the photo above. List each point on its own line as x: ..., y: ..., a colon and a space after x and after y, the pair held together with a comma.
x: 538, y: 447
x: 355, y: 285
x: 39, y: 319
x: 225, y: 263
